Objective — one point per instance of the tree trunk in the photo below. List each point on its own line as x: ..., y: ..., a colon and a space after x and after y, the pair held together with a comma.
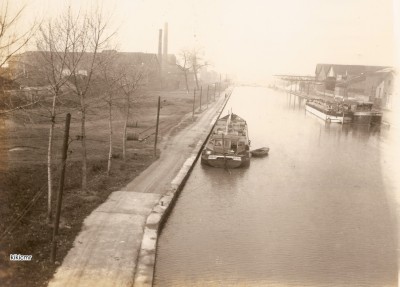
x: 186, y: 82
x: 49, y: 163
x: 111, y: 133
x: 49, y: 174
x: 125, y: 128
x: 83, y: 139
x: 197, y: 81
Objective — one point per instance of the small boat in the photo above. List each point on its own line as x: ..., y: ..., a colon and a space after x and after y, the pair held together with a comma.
x: 229, y: 144
x: 260, y: 152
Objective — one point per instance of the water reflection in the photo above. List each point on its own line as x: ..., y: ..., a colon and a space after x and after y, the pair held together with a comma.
x: 315, y: 212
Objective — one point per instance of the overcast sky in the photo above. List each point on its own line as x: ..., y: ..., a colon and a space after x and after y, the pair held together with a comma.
x: 257, y: 38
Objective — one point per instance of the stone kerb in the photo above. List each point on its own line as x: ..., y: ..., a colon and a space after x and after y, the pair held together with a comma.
x: 146, y: 261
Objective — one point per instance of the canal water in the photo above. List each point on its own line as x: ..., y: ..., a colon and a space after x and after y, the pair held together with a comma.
x: 318, y: 211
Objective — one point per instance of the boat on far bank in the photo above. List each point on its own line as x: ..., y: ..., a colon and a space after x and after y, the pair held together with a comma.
x: 348, y: 111
x: 329, y: 111
x: 229, y: 144
x: 363, y: 113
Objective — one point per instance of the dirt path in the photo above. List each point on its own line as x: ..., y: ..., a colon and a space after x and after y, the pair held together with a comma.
x: 106, y: 250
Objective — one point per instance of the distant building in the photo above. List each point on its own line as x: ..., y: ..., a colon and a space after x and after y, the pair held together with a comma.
x: 339, y: 72
x: 29, y: 68
x: 365, y: 83
x: 171, y: 73
x: 379, y: 86
x: 146, y: 62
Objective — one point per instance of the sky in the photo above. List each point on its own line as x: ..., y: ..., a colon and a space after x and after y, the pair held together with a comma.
x: 255, y: 39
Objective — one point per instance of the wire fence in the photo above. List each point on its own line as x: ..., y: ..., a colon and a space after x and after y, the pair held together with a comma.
x: 17, y: 219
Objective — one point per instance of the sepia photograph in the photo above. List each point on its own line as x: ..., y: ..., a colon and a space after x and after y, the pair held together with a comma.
x: 199, y: 143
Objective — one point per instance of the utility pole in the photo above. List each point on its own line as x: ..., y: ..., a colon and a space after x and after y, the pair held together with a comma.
x: 220, y: 83
x: 215, y: 87
x: 201, y: 94
x: 208, y: 87
x: 158, y: 119
x: 194, y: 101
x: 60, y: 188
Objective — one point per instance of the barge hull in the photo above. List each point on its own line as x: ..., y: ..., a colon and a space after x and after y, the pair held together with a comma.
x: 325, y: 117
x: 227, y: 162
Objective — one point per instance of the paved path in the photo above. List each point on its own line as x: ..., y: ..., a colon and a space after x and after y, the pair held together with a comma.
x: 106, y: 250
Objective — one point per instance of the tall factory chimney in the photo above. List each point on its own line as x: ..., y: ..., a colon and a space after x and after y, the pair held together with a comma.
x: 165, y: 47
x: 160, y: 57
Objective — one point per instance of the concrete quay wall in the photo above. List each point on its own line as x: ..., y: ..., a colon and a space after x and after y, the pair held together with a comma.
x: 145, y: 266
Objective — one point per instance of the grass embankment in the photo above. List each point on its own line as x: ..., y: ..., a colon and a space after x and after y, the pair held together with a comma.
x: 23, y: 151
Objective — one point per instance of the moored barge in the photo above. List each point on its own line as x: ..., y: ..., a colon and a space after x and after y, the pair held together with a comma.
x: 329, y: 111
x: 363, y: 113
x: 229, y: 144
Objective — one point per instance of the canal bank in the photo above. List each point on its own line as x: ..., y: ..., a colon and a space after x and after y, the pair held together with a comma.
x: 155, y: 221
x: 106, y: 251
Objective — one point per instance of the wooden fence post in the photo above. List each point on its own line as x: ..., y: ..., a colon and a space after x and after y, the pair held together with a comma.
x: 60, y: 188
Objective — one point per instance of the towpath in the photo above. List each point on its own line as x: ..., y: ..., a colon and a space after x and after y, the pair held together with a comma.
x: 105, y: 252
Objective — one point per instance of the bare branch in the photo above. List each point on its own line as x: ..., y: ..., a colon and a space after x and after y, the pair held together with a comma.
x: 197, y: 63
x: 12, y: 40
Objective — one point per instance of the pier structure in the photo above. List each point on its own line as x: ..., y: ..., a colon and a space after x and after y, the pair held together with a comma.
x: 300, y: 87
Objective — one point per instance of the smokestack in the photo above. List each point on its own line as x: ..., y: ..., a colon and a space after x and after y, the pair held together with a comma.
x: 160, y: 57
x: 160, y: 49
x: 165, y: 47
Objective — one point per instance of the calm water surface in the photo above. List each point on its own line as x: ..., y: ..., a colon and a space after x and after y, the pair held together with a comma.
x: 316, y: 212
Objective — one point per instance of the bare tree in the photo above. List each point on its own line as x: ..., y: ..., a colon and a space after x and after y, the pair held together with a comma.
x: 183, y: 64
x: 197, y: 63
x: 89, y: 35
x: 109, y: 100
x: 53, y: 42
x: 110, y: 89
x: 12, y: 39
x: 130, y: 82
